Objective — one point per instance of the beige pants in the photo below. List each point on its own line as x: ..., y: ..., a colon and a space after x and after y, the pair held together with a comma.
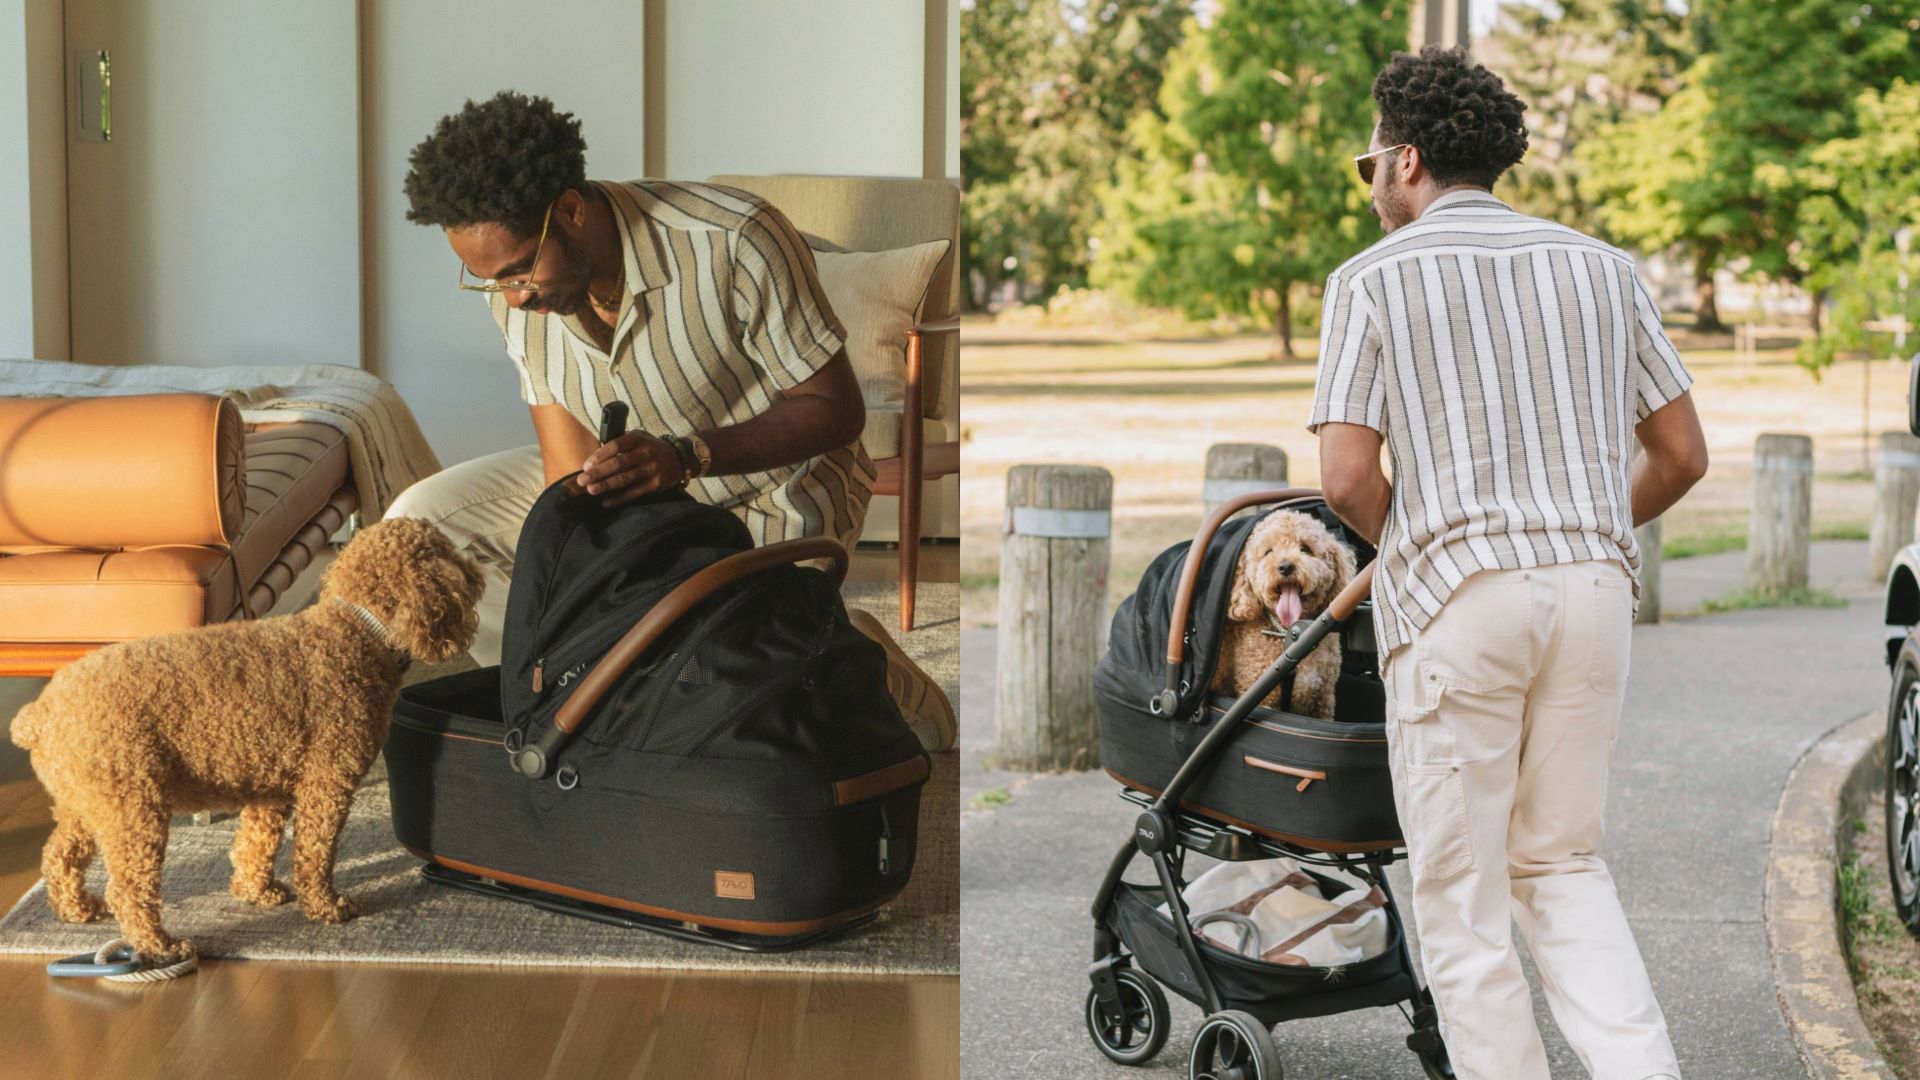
x: 1502, y: 717
x: 481, y: 505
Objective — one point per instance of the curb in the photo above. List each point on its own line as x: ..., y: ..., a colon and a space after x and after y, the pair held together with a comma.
x: 1801, y: 905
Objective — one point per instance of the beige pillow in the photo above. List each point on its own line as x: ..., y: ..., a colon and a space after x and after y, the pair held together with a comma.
x: 877, y: 295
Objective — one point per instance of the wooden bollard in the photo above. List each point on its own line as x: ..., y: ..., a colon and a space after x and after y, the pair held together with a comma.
x: 1235, y: 469
x: 1896, y: 489
x: 1055, y: 546
x: 1779, y: 524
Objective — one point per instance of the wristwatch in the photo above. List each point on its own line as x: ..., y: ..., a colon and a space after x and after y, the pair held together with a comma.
x: 702, y: 455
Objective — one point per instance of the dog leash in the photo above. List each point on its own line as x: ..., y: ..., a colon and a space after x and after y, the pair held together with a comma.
x: 116, y: 961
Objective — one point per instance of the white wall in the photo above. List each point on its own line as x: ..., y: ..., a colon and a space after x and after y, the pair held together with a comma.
x: 33, y: 177
x: 220, y: 226
x: 773, y: 86
x: 421, y: 61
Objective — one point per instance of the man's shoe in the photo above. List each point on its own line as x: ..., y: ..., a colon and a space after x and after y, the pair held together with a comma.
x: 922, y: 702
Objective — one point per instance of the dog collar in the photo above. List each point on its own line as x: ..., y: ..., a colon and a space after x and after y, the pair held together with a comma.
x: 1284, y: 632
x: 373, y: 623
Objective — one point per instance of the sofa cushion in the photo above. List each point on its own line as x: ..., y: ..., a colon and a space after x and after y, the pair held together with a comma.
x: 115, y: 594
x: 877, y: 296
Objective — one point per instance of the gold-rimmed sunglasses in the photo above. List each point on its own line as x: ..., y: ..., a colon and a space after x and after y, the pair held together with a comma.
x: 1364, y: 162
x: 525, y: 285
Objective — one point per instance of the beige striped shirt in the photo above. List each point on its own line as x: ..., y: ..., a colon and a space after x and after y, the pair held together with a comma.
x: 723, y: 310
x: 1506, y: 361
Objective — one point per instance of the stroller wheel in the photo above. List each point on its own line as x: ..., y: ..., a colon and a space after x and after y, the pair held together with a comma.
x: 1233, y: 1045
x: 1135, y: 1036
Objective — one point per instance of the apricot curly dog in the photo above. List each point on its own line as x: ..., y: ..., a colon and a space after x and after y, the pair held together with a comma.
x: 1291, y: 568
x: 282, y: 714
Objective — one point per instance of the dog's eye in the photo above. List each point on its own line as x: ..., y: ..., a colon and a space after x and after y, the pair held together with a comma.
x: 1307, y: 551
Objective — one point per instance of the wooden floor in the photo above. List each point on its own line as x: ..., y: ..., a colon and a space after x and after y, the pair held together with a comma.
x: 300, y: 1021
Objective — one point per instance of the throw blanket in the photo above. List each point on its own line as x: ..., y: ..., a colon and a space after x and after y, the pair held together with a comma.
x: 384, y: 444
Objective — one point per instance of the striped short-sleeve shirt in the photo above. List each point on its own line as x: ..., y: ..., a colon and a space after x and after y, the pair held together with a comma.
x: 722, y: 309
x: 1506, y: 361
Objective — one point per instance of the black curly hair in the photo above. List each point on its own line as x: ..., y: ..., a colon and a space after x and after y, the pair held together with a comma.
x: 502, y: 161
x: 1463, y: 119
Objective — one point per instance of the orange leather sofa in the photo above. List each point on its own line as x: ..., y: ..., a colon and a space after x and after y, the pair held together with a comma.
x: 122, y: 517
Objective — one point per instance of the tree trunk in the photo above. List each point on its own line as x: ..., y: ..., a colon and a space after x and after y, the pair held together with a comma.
x: 1283, y: 322
x: 1814, y: 299
x: 1706, y: 319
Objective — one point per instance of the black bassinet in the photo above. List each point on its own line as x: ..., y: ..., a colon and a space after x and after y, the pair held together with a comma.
x: 1322, y: 784
x: 683, y: 730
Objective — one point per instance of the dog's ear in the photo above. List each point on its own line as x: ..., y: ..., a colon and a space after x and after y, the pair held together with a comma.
x: 436, y: 620
x: 1343, y: 565
x: 1242, y: 604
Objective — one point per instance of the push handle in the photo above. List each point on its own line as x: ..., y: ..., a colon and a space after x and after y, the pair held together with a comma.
x: 1168, y: 699
x: 532, y: 760
x: 613, y: 421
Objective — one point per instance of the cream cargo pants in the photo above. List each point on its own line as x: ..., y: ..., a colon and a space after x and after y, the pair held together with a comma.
x: 1501, y: 722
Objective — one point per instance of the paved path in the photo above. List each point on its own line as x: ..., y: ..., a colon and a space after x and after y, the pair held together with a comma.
x: 1718, y: 709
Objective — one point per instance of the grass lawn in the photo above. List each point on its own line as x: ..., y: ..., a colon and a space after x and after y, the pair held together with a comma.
x: 1146, y: 405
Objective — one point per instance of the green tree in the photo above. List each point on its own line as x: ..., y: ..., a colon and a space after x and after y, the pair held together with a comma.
x: 1862, y: 191
x: 1785, y: 80
x: 1583, y: 66
x: 1246, y: 187
x: 1047, y: 87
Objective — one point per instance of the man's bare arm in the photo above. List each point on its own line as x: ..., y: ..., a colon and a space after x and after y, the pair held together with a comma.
x: 1351, y: 479
x: 1675, y: 458
x: 823, y: 413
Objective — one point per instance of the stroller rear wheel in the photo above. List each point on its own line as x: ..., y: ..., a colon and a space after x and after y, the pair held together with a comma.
x: 1233, y: 1045
x: 1140, y: 1030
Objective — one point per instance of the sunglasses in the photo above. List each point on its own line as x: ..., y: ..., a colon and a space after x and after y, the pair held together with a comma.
x: 1364, y: 162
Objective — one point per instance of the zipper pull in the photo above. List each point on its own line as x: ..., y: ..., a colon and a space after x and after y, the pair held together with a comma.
x: 886, y: 834
x: 538, y: 673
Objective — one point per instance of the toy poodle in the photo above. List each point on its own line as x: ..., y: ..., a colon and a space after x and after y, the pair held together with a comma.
x: 266, y: 717
x: 1291, y: 568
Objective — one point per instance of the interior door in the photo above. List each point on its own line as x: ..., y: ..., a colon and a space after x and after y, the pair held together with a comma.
x: 220, y: 221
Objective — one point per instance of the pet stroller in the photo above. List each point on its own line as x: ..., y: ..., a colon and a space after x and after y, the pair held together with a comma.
x: 1237, y: 781
x: 685, y: 735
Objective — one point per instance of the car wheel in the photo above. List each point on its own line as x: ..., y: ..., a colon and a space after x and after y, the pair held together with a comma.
x: 1903, y: 792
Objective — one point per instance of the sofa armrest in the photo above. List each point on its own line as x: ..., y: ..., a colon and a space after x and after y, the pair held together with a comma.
x: 113, y: 472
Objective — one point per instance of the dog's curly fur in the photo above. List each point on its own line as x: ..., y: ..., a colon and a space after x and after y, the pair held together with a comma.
x: 1287, y: 549
x: 268, y: 717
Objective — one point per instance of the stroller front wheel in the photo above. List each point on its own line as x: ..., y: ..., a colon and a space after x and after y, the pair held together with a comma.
x: 1233, y: 1045
x: 1138, y: 1033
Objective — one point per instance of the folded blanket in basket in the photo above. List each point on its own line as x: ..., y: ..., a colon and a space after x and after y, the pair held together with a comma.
x: 384, y: 444
x: 1273, y: 909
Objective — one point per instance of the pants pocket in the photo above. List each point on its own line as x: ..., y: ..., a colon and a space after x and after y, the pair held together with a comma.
x: 1481, y: 639
x: 1434, y: 799
x: 1612, y: 625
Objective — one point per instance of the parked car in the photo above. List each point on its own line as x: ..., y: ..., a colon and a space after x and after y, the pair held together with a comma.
x: 1903, y: 711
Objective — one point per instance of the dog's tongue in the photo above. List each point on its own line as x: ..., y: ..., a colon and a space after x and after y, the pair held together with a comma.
x: 1286, y: 607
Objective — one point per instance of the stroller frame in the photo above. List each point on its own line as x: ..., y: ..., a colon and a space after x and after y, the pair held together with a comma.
x: 1232, y: 1044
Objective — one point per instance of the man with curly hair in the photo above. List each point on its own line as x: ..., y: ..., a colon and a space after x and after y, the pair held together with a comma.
x: 1506, y: 364
x: 697, y: 305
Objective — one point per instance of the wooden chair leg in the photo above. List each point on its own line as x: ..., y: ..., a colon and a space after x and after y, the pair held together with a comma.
x: 909, y: 548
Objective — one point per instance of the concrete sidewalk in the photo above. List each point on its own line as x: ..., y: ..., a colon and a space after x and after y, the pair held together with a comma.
x: 1718, y: 709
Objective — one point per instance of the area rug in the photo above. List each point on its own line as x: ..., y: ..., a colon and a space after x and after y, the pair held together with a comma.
x: 406, y: 919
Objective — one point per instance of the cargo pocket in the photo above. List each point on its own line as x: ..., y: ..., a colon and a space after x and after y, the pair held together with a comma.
x: 1435, y: 800
x: 1612, y: 618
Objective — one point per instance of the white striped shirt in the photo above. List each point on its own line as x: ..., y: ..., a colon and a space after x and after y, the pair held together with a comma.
x: 723, y: 309
x: 1506, y: 361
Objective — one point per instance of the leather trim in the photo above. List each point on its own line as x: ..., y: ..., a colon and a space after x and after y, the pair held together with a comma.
x: 914, y: 770
x: 744, y: 926
x: 1349, y: 848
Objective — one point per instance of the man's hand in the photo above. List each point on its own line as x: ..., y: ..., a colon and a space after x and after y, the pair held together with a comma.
x: 633, y: 465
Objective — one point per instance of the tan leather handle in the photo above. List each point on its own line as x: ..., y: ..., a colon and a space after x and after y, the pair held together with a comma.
x: 1190, y: 573
x: 1307, y: 776
x: 664, y: 614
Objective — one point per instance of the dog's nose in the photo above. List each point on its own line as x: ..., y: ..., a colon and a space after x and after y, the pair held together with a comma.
x: 1285, y: 568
